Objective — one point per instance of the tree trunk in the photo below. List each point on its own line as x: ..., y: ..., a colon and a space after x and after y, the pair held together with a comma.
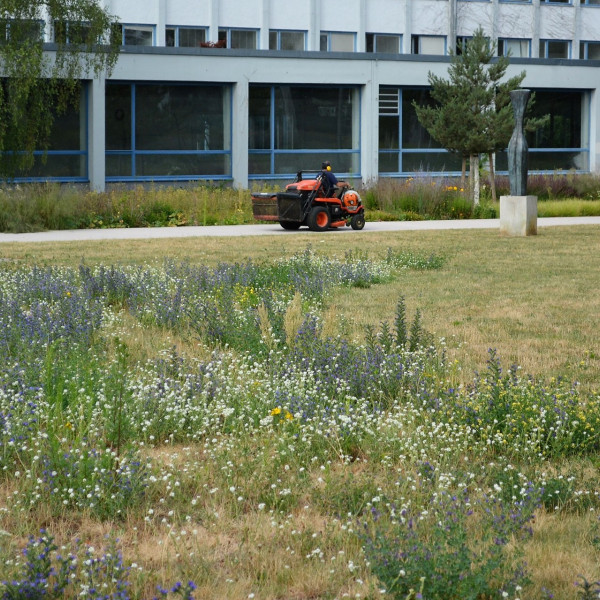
x: 474, y: 171
x: 492, y: 176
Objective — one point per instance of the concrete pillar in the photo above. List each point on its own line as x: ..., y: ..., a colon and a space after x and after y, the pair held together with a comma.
x: 369, y: 157
x: 97, y: 134
x: 161, y: 23
x: 314, y: 33
x: 408, y: 28
x: 361, y: 34
x: 213, y: 21
x: 535, y: 30
x: 265, y: 25
x: 239, y: 125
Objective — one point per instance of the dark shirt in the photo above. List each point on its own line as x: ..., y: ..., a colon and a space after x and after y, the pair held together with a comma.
x: 329, y: 181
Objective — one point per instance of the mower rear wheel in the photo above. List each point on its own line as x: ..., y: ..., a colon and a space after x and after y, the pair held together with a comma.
x: 290, y: 224
x: 357, y: 221
x: 319, y: 219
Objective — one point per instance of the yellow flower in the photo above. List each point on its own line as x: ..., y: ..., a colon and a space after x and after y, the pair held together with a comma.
x: 288, y: 415
x: 276, y: 411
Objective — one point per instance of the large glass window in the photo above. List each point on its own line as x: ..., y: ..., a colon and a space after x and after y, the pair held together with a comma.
x: 519, y: 48
x: 331, y: 41
x: 428, y: 44
x: 286, y: 40
x: 555, y: 48
x: 297, y: 127
x: 168, y: 131
x: 66, y: 157
x: 405, y: 146
x: 136, y: 35
x: 383, y: 42
x: 239, y: 38
x: 589, y: 50
x: 185, y: 37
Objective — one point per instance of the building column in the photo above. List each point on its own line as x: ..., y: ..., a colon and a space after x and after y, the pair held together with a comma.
x: 408, y: 28
x: 239, y: 135
x: 213, y: 21
x: 161, y: 23
x: 361, y: 42
x: 97, y: 134
x: 265, y: 24
x: 369, y: 135
x: 594, y: 104
x: 535, y: 33
x: 314, y: 33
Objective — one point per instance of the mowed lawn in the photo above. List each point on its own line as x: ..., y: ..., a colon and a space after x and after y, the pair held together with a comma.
x: 291, y: 469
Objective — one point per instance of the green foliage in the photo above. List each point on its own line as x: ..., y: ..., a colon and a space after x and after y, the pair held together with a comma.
x: 39, y: 84
x: 472, y: 112
x: 454, y: 548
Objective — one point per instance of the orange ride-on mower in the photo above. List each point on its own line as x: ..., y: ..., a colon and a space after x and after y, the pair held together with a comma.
x: 305, y: 202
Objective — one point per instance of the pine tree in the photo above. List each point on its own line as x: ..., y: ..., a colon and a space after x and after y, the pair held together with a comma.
x: 472, y: 114
x: 39, y: 81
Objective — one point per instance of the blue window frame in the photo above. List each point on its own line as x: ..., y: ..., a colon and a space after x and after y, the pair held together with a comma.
x: 66, y: 159
x: 406, y: 148
x: 185, y: 37
x: 589, y: 50
x: 168, y: 131
x: 337, y: 41
x: 283, y: 39
x: 514, y: 47
x: 387, y: 43
x: 239, y: 38
x: 555, y: 49
x: 297, y: 127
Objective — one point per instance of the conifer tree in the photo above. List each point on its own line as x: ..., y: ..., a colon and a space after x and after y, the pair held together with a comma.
x: 472, y: 114
x: 37, y: 80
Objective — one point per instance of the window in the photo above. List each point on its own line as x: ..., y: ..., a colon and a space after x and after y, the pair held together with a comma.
x: 591, y: 2
x: 555, y: 1
x: 589, y: 50
x: 185, y: 37
x: 135, y: 35
x: 555, y: 49
x: 21, y: 29
x: 384, y: 42
x: 428, y: 44
x: 514, y: 47
x: 239, y: 38
x: 287, y: 40
x: 337, y: 42
x: 298, y: 127
x: 156, y: 131
x: 71, y: 32
x: 67, y: 156
x: 404, y: 144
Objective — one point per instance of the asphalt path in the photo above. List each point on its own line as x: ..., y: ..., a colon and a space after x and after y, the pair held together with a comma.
x: 141, y: 233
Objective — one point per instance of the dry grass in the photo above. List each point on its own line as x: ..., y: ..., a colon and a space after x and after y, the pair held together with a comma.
x: 536, y: 299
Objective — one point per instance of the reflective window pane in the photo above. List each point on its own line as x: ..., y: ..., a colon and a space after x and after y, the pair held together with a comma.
x: 308, y: 118
x: 438, y: 162
x: 414, y: 135
x: 181, y: 165
x: 259, y: 130
x: 292, y: 40
x: 118, y: 117
x: 137, y: 36
x: 241, y: 38
x: 293, y: 162
x: 185, y: 117
x: 190, y: 37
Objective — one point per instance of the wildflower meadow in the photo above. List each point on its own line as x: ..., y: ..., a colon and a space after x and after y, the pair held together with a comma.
x: 170, y: 429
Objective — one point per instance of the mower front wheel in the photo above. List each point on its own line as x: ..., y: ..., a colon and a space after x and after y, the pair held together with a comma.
x: 357, y: 221
x: 318, y: 219
x: 290, y: 224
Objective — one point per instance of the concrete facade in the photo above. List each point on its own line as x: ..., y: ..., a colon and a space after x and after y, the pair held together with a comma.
x: 573, y: 24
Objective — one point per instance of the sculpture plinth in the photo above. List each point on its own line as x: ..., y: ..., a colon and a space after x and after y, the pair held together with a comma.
x: 518, y: 212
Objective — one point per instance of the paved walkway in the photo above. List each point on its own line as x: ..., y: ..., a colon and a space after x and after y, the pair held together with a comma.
x: 138, y: 233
